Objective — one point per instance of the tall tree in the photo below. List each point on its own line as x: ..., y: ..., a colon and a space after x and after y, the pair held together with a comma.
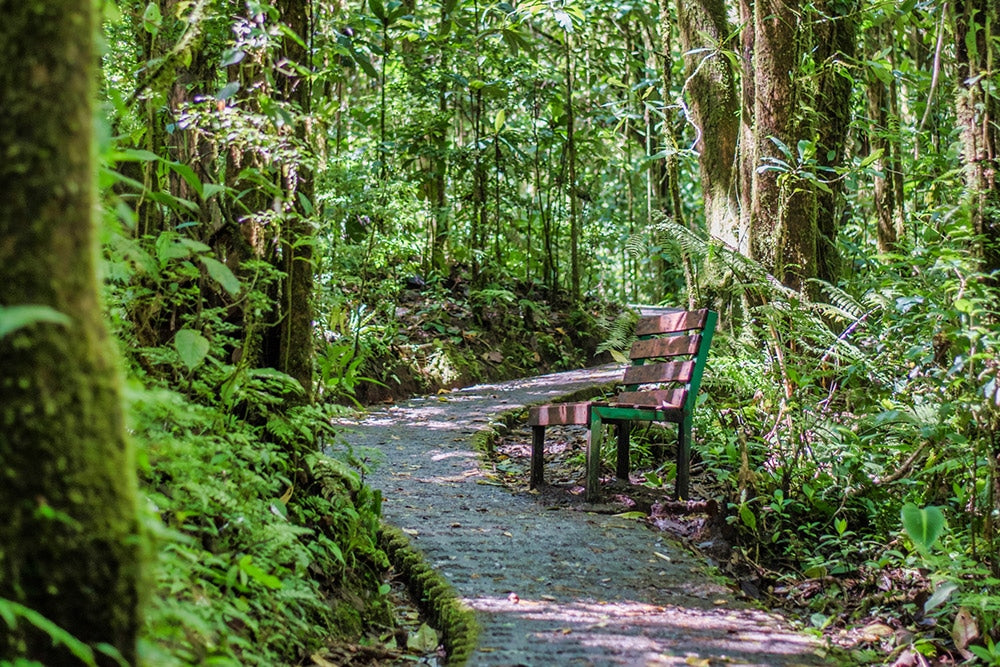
x: 714, y: 107
x: 296, y: 346
x: 782, y: 212
x: 69, y: 545
x: 835, y: 37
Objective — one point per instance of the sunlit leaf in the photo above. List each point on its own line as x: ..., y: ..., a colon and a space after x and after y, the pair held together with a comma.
x: 941, y: 593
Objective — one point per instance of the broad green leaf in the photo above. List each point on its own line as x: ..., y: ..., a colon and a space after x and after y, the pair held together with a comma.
x: 941, y: 593
x: 152, y: 19
x: 499, y: 121
x: 923, y: 525
x: 619, y: 356
x: 232, y: 57
x: 222, y: 275
x: 192, y: 347
x: 13, y: 318
x: 424, y: 640
x: 748, y: 517
x: 228, y: 90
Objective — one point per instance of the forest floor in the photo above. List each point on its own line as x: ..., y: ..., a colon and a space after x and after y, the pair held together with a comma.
x: 555, y: 581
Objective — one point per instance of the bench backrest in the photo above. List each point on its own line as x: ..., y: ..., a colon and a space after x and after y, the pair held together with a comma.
x: 671, y: 352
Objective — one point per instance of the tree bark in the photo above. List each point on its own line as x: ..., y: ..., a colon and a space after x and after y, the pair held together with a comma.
x: 714, y: 110
x: 836, y: 42
x: 978, y: 112
x: 783, y: 212
x: 884, y: 139
x: 69, y: 534
x: 296, y: 342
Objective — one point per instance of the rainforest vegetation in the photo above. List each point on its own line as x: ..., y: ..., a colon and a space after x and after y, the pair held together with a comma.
x: 224, y: 224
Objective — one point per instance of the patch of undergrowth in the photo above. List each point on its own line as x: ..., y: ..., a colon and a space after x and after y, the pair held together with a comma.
x: 263, y: 549
x: 399, y: 332
x: 853, y: 437
x: 259, y: 557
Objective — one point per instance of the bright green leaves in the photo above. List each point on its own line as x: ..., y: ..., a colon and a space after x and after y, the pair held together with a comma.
x: 13, y: 318
x: 923, y: 525
x: 192, y: 347
x: 152, y: 19
x: 173, y: 246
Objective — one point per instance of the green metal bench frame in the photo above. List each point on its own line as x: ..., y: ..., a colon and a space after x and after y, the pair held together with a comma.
x: 671, y: 351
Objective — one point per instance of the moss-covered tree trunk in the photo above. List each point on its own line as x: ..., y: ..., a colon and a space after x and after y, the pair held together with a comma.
x: 69, y: 545
x: 835, y: 40
x: 714, y: 107
x: 783, y: 210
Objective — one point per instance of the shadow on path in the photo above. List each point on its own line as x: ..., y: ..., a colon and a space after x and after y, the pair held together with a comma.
x: 555, y: 586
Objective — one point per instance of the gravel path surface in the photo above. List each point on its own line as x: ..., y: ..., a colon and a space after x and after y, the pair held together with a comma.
x: 555, y: 586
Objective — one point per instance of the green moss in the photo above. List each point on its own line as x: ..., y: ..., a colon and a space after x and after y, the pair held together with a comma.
x: 456, y: 622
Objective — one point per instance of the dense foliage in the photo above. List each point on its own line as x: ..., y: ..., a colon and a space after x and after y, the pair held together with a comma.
x: 306, y: 202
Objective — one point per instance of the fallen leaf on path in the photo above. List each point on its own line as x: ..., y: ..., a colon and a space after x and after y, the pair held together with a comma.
x: 410, y: 531
x: 873, y: 632
x: 695, y: 661
x: 423, y: 640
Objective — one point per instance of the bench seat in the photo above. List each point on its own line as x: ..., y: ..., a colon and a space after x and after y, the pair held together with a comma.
x: 668, y: 359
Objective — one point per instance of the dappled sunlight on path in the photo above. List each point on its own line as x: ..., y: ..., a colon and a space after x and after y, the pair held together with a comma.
x: 554, y: 586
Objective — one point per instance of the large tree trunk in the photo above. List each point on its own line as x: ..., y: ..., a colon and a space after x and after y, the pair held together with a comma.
x: 714, y: 108
x: 783, y: 212
x: 69, y: 545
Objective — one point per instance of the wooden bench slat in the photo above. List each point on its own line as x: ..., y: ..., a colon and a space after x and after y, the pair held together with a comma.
x: 661, y: 398
x: 673, y: 346
x: 559, y: 413
x: 667, y: 371
x: 671, y: 322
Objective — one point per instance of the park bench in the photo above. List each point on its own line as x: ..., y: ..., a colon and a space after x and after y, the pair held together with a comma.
x: 668, y: 359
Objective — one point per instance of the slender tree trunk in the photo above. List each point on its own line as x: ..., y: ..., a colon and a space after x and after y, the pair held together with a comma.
x: 69, y: 535
x: 885, y: 141
x: 574, y: 202
x: 747, y: 150
x: 439, y: 167
x: 297, y: 346
x: 978, y: 114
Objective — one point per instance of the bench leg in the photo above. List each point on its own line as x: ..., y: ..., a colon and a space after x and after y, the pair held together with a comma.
x: 593, y: 487
x: 624, y: 465
x: 537, y: 454
x: 683, y: 458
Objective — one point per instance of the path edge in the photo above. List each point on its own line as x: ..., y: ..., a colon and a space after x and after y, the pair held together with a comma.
x: 434, y: 595
x: 484, y: 440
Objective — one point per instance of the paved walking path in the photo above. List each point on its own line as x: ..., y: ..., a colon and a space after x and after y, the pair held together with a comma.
x: 555, y: 586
